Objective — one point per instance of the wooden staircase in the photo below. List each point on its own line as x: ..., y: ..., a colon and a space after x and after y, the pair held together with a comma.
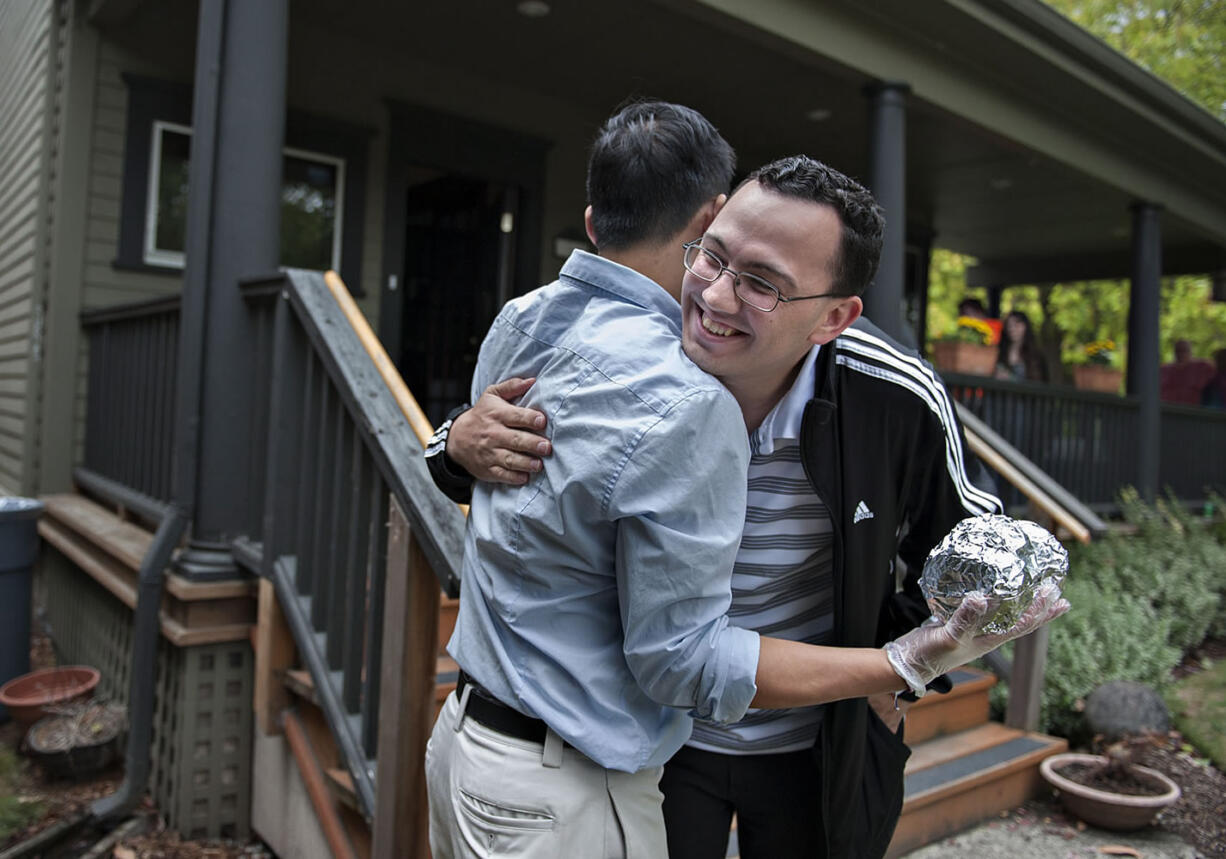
x: 964, y: 768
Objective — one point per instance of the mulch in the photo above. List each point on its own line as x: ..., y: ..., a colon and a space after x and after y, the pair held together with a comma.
x: 1199, y: 817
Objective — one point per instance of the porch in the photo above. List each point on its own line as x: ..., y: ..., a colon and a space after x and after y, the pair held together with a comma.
x: 222, y: 443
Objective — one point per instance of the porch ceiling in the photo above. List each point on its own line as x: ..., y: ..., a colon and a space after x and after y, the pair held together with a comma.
x: 1022, y: 212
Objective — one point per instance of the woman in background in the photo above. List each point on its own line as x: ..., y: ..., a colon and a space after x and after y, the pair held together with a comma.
x: 1019, y: 357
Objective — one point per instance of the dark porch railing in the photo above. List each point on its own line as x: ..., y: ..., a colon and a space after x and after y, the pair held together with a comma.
x: 129, y: 419
x: 1087, y: 441
x: 340, y: 449
x: 338, y: 459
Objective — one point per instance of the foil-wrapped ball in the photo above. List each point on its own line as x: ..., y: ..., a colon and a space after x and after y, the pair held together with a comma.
x: 1005, y: 559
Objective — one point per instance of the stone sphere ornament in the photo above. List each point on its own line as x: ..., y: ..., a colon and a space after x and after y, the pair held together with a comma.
x: 1003, y: 558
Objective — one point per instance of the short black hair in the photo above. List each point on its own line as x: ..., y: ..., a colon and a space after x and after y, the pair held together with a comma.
x: 863, y: 223
x: 970, y: 305
x: 653, y: 165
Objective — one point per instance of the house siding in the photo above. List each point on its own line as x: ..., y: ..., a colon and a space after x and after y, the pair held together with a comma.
x: 28, y: 53
x: 104, y: 284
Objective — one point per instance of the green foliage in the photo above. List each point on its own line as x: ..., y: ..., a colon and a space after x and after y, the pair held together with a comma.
x: 1181, y: 41
x: 16, y: 812
x: 1067, y: 316
x: 1198, y: 708
x: 1171, y: 560
x: 1105, y: 636
x: 1139, y: 602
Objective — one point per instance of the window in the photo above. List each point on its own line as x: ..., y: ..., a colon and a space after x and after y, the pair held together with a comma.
x: 312, y: 195
x: 323, y: 174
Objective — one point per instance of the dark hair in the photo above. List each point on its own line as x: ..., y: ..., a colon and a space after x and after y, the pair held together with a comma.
x: 863, y: 224
x: 653, y: 165
x: 1032, y: 357
x: 970, y: 305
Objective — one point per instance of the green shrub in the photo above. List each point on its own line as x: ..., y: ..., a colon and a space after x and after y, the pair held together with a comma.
x: 1105, y: 636
x: 1139, y: 602
x: 1171, y: 560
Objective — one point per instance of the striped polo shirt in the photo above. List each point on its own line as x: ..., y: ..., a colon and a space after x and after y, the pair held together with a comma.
x: 782, y: 583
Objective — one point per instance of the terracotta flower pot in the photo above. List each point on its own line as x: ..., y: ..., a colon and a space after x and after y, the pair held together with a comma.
x: 1095, y: 377
x: 27, y: 696
x: 1104, y: 809
x: 957, y: 357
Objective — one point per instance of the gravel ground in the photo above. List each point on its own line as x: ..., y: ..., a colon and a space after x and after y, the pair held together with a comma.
x: 1194, y: 828
x: 1039, y: 830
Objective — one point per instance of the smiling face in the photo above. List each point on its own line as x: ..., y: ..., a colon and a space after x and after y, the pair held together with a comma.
x: 790, y: 242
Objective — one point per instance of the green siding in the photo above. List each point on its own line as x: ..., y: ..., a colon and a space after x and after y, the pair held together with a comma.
x: 28, y: 45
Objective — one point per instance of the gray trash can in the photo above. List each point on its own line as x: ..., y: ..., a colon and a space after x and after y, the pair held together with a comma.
x: 18, y: 549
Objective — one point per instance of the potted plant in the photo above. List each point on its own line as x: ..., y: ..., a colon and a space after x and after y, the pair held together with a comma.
x: 1097, y: 373
x: 1111, y: 791
x: 968, y: 348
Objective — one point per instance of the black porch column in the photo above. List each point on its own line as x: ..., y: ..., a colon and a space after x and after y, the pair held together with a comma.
x: 883, y: 302
x: 1144, y: 307
x: 233, y: 231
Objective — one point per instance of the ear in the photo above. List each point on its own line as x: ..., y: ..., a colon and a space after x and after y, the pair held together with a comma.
x: 837, y: 319
x: 709, y: 211
x: 587, y: 226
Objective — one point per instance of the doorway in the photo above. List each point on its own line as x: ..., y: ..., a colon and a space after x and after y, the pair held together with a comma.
x: 462, y: 237
x: 459, y: 270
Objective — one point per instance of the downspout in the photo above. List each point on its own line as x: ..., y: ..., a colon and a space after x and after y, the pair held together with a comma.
x: 171, y: 521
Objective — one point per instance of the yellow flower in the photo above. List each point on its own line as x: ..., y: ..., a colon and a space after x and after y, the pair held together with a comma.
x: 1100, y: 352
x: 972, y: 330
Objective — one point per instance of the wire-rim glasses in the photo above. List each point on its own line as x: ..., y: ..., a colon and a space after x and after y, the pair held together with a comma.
x: 758, y: 293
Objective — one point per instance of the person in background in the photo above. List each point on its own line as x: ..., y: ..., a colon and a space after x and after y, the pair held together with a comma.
x: 1213, y: 394
x: 1183, y: 380
x: 973, y: 308
x: 1019, y: 358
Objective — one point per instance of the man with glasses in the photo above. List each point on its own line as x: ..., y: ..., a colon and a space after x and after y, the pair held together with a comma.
x: 592, y: 615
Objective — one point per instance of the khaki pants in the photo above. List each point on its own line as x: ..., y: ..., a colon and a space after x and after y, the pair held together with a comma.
x: 495, y: 795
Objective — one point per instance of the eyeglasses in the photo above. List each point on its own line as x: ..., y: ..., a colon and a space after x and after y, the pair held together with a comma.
x: 757, y: 293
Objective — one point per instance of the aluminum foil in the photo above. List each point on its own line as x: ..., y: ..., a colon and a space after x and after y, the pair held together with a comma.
x: 1006, y: 559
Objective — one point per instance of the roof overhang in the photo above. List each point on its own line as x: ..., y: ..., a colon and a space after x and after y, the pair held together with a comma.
x: 1028, y: 140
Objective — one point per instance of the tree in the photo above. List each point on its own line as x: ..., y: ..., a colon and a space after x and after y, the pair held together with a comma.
x: 1183, y: 42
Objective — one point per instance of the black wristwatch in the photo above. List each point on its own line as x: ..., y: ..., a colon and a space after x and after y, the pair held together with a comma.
x: 452, y: 480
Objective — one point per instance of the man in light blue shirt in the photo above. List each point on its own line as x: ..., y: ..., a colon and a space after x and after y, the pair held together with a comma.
x: 592, y: 623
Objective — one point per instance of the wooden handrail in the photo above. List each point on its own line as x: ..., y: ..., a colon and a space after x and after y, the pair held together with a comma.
x: 417, y: 419
x: 1027, y: 487
x: 391, y: 376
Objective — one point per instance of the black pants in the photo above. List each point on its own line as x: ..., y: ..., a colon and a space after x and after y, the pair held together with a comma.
x: 777, y: 800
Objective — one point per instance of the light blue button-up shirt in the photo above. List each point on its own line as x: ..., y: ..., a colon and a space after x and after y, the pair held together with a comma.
x: 594, y: 596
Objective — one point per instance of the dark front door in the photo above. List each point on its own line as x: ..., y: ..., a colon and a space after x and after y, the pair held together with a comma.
x: 459, y: 270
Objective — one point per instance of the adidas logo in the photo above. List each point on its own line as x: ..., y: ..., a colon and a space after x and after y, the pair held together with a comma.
x: 862, y: 513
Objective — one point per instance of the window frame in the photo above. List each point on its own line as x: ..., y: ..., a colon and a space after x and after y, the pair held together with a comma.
x: 155, y: 104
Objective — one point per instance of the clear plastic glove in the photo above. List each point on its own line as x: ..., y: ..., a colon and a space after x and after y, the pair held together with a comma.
x: 934, y: 648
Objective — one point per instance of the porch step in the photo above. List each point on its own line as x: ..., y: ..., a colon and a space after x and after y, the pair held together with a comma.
x: 958, y: 780
x: 111, y: 549
x: 299, y: 682
x: 964, y: 706
x: 341, y: 785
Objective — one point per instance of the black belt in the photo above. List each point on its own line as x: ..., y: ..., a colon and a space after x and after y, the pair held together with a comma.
x: 494, y: 714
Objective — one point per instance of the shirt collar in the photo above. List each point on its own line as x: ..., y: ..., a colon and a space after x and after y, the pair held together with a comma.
x: 626, y: 283
x: 783, y: 422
